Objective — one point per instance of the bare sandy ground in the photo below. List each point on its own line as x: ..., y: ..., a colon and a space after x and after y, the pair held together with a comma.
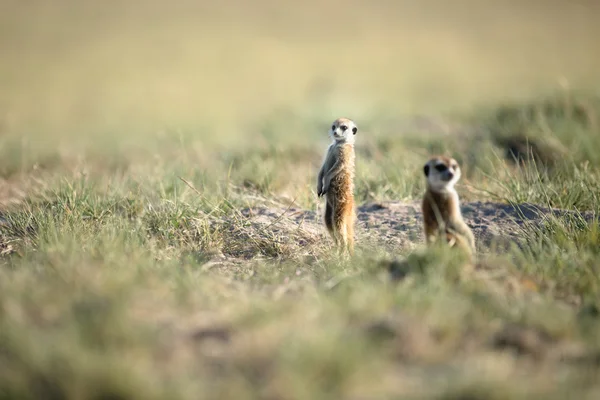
x: 394, y: 226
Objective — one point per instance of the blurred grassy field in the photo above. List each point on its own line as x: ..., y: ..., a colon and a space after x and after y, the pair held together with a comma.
x: 113, y: 277
x: 87, y: 67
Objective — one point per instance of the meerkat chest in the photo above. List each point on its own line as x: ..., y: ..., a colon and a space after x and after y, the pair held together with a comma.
x: 441, y: 207
x: 345, y: 154
x: 345, y: 158
x: 342, y: 183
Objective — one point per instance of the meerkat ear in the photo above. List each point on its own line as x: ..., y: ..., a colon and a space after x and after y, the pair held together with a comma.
x: 354, y: 130
x: 426, y: 169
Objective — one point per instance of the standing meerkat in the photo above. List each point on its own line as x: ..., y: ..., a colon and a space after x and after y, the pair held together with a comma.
x: 336, y: 182
x: 441, y: 207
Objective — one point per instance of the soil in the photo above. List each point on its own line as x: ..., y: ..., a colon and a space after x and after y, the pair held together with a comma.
x: 397, y: 226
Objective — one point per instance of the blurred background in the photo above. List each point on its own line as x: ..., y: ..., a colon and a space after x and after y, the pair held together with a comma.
x: 89, y: 67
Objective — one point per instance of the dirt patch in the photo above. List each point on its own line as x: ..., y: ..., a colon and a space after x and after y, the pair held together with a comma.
x: 398, y: 225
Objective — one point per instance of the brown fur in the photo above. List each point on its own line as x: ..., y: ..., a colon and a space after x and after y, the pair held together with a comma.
x: 442, y: 217
x: 449, y: 226
x: 340, y: 213
x: 340, y: 201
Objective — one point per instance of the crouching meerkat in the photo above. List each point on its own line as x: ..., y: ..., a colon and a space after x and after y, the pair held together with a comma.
x: 442, y: 217
x: 336, y: 182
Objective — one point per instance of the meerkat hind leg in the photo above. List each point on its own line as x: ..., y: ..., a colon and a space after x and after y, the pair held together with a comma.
x: 350, y: 237
x: 350, y: 221
x: 342, y: 222
x: 342, y: 240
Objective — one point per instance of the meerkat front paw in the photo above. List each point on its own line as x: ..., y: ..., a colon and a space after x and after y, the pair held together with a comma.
x: 320, y: 191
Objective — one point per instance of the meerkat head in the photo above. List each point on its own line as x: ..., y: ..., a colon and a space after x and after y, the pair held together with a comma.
x: 343, y: 130
x: 442, y: 173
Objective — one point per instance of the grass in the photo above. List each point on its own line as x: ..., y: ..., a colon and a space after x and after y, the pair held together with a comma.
x: 157, y: 228
x: 112, y: 286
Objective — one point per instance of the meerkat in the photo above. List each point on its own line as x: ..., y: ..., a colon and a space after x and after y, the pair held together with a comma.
x: 336, y: 183
x: 442, y: 217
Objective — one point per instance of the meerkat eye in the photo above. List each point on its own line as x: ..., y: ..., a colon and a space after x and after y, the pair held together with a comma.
x: 333, y: 127
x: 441, y: 167
x: 426, y: 169
x: 343, y: 128
x: 354, y: 130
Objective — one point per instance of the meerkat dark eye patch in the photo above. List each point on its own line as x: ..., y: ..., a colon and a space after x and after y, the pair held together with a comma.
x: 333, y: 127
x: 354, y: 130
x: 426, y: 170
x: 343, y: 128
x: 441, y: 167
